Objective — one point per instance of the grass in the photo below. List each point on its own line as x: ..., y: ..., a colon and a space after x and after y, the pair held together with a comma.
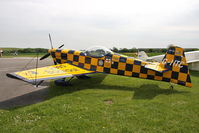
x: 109, y: 103
x: 23, y: 55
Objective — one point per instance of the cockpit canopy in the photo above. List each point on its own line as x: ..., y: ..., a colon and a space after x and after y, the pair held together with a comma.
x: 97, y: 51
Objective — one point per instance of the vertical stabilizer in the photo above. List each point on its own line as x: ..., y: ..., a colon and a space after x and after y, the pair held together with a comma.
x: 175, y: 61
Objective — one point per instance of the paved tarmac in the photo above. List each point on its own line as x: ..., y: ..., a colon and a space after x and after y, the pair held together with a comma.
x: 15, y: 92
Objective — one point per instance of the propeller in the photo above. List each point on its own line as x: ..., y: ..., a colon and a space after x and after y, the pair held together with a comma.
x: 45, y: 56
x: 48, y: 54
x: 50, y: 41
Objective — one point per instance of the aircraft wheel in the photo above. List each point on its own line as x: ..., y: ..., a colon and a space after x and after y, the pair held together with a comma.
x: 171, y: 87
x: 62, y: 82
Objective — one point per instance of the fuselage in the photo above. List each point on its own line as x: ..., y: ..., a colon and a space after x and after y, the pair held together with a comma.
x: 112, y: 63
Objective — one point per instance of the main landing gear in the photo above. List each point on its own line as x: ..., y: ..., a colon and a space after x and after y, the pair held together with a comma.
x: 64, y: 82
x: 83, y: 77
x: 171, y: 87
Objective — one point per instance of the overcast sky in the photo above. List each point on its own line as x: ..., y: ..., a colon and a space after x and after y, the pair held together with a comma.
x: 83, y: 23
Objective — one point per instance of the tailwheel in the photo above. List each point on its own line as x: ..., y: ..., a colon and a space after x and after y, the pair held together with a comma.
x: 171, y: 87
x: 63, y: 82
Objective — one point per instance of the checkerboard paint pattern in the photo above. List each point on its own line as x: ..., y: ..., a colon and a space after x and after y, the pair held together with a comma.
x: 117, y: 64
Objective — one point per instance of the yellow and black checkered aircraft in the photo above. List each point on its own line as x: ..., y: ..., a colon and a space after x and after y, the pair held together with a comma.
x: 173, y: 67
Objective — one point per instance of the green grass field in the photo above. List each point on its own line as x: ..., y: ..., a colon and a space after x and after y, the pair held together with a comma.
x: 9, y: 53
x: 23, y: 55
x: 109, y: 103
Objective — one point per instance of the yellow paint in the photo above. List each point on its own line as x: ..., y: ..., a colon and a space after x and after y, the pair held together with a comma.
x: 136, y: 68
x: 81, y: 59
x: 94, y: 61
x: 158, y: 78
x: 121, y: 66
x: 130, y: 61
x: 100, y: 69
x: 70, y: 57
x: 52, y: 71
x: 182, y: 77
x: 113, y: 71
x: 143, y: 75
x: 128, y: 73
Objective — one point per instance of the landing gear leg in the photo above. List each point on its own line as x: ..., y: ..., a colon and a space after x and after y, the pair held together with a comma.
x: 83, y: 77
x: 171, y: 87
x: 63, y: 82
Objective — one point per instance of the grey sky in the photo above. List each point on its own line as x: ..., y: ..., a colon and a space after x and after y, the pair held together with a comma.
x: 82, y: 23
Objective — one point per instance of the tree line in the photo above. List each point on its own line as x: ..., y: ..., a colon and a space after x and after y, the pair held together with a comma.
x: 24, y: 50
x: 147, y: 50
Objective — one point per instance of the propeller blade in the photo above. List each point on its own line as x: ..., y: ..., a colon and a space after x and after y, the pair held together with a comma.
x: 61, y: 46
x: 45, y: 56
x: 51, y: 41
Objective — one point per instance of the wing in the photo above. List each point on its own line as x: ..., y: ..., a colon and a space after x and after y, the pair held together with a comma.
x: 49, y: 72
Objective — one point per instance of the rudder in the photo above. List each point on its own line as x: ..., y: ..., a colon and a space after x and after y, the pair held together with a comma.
x: 175, y: 61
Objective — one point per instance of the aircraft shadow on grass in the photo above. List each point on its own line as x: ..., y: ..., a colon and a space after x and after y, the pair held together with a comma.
x: 146, y: 91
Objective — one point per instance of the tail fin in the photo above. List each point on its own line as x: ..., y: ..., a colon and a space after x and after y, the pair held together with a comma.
x: 142, y: 55
x: 175, y: 61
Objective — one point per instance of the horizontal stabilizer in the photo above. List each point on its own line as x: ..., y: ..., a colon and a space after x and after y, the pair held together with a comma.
x: 156, y: 67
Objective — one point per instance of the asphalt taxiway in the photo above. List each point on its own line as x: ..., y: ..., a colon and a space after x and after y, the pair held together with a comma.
x: 15, y: 92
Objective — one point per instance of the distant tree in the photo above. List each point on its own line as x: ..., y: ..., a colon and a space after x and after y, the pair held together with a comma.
x: 133, y: 50
x: 124, y: 50
x: 114, y: 49
x: 33, y: 50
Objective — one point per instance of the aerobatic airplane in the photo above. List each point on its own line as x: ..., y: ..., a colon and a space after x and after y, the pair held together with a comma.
x: 70, y: 63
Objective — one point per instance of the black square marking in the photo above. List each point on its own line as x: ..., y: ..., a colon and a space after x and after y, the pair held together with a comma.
x: 75, y: 58
x: 129, y: 67
x: 136, y: 62
x: 122, y: 59
x: 82, y: 54
x: 188, y: 79
x: 58, y: 61
x: 53, y: 54
x: 68, y: 61
x: 174, y: 75
x: 58, y: 50
x: 178, y: 58
x: 143, y: 70
x: 158, y: 74
x: 71, y: 51
x: 81, y: 65
x: 106, y: 70
x: 120, y: 72
x: 93, y: 68
x: 64, y: 56
x: 181, y: 82
x: 184, y: 69
x: 88, y: 60
x: 150, y: 77
x: 114, y: 65
x: 166, y: 79
x: 171, y: 50
x: 135, y: 74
